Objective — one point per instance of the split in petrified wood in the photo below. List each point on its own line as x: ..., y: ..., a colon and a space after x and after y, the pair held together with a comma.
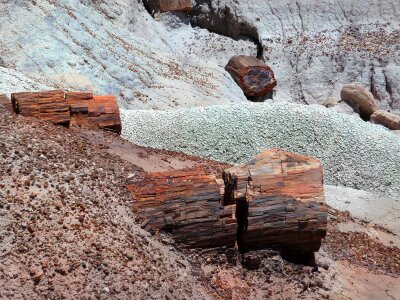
x: 254, y: 77
x: 275, y: 201
x: 81, y: 109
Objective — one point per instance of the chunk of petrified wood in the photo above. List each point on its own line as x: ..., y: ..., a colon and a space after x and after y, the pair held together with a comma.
x: 49, y: 105
x: 286, y: 204
x: 79, y: 103
x: 186, y: 203
x: 386, y: 119
x: 169, y: 5
x: 357, y: 95
x: 255, y: 78
x: 6, y: 103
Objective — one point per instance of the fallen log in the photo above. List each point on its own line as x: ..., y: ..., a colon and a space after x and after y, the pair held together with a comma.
x: 356, y: 95
x: 386, y: 119
x: 6, y: 103
x: 49, y: 105
x: 169, y: 5
x: 285, y: 202
x: 187, y: 204
x: 105, y: 112
x: 254, y: 77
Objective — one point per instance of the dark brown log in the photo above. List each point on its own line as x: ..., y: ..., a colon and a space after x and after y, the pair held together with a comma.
x: 105, y: 113
x: 169, y: 5
x: 49, y: 105
x: 6, y: 103
x: 186, y: 203
x: 255, y: 78
x: 386, y: 119
x: 286, y: 204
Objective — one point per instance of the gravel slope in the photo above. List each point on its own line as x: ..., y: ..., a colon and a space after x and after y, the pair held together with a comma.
x: 354, y: 153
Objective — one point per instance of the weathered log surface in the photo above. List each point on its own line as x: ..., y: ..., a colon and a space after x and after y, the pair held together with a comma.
x: 286, y: 204
x: 49, y: 105
x: 275, y: 201
x: 255, y: 78
x: 79, y: 103
x: 6, y: 103
x: 169, y: 5
x: 386, y: 119
x: 186, y: 203
x: 355, y: 94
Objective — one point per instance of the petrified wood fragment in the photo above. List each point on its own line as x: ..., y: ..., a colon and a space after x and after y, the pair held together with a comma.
x: 186, y: 203
x: 356, y: 95
x: 286, y: 204
x: 6, y: 103
x: 386, y: 119
x: 255, y: 78
x: 169, y: 5
x: 79, y: 103
x: 49, y: 105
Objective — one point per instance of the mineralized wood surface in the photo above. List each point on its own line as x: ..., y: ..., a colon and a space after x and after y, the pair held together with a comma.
x: 79, y: 103
x: 6, y: 103
x: 386, y: 119
x: 186, y: 203
x: 255, y: 78
x: 49, y: 105
x: 169, y: 5
x: 356, y: 94
x: 286, y: 204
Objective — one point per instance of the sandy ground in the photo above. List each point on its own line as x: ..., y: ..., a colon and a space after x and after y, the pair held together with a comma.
x: 67, y: 232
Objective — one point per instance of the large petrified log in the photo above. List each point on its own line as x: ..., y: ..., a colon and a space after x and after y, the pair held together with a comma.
x: 356, y: 95
x: 49, y: 105
x: 169, y: 5
x: 386, y: 119
x: 285, y: 201
x: 255, y: 78
x: 275, y: 201
x: 186, y: 203
x: 6, y: 103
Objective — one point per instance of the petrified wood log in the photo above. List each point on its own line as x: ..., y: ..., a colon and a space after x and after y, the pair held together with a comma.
x: 386, y: 119
x: 94, y: 112
x: 49, y: 105
x: 186, y: 203
x: 6, y: 103
x: 355, y: 94
x: 285, y: 200
x: 169, y: 5
x: 255, y: 78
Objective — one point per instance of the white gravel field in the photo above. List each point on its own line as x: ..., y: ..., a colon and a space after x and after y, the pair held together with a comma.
x: 354, y: 153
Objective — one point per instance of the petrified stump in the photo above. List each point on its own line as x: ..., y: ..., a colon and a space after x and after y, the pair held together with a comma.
x: 6, y: 103
x: 255, y: 78
x: 49, y: 105
x: 169, y: 5
x: 276, y: 201
x: 285, y: 201
x: 356, y: 95
x: 186, y: 203
x: 386, y: 119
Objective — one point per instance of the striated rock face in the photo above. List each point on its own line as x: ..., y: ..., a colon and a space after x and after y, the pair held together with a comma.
x: 169, y: 5
x: 254, y: 77
x: 285, y: 201
x: 81, y: 109
x: 356, y: 95
x: 50, y: 106
x: 276, y: 201
x: 186, y: 203
x: 386, y: 119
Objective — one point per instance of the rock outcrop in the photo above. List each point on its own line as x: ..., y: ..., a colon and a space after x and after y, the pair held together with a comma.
x: 357, y: 95
x: 386, y: 119
x: 254, y: 77
x: 276, y: 201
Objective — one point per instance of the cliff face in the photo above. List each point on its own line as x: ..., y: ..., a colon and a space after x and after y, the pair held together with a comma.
x: 315, y: 47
